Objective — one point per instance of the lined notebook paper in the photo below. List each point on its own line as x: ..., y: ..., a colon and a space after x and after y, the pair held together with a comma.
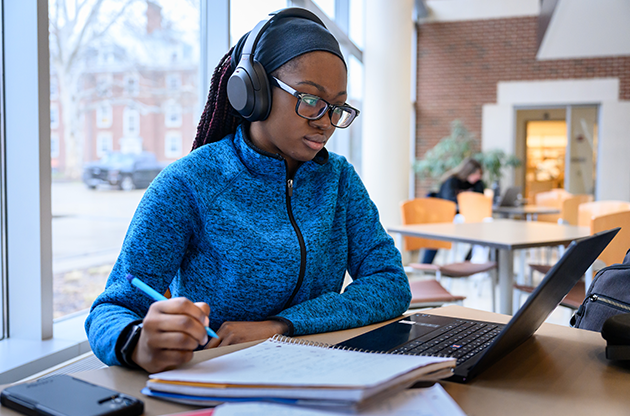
x: 287, y: 368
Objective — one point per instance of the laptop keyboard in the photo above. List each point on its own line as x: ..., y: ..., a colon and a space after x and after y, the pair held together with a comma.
x: 461, y: 340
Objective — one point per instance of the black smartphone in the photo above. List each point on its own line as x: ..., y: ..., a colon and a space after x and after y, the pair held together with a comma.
x: 63, y: 395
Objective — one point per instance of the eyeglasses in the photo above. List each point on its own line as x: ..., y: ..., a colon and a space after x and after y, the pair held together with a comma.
x: 312, y: 107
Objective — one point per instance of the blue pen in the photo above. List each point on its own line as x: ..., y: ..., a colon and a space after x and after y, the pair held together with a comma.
x: 157, y: 296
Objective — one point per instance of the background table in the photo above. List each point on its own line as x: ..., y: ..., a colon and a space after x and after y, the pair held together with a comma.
x: 559, y: 371
x: 503, y: 235
x: 529, y: 211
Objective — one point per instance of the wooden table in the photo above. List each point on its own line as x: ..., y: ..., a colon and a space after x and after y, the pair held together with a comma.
x: 530, y: 212
x: 558, y: 371
x: 505, y: 236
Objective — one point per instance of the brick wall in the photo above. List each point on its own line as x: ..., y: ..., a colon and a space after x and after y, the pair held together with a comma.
x: 460, y: 63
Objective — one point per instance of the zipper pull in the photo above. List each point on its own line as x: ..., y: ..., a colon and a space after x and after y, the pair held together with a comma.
x: 290, y: 187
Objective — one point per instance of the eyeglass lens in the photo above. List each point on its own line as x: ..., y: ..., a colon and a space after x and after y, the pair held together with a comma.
x: 313, y: 107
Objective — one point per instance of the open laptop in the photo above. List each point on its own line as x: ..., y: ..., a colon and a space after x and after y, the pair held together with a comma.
x: 510, y: 197
x: 478, y: 344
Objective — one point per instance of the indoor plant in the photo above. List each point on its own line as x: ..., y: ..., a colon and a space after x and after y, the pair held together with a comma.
x: 451, y: 150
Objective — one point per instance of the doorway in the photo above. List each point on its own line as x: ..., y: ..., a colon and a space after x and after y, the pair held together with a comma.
x: 558, y: 147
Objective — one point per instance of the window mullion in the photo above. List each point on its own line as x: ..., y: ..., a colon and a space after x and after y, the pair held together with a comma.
x: 28, y: 175
x: 214, y: 32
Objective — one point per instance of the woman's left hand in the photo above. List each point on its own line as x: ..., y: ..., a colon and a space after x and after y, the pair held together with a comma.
x: 237, y: 332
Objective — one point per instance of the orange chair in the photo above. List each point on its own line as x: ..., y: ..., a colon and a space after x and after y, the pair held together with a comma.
x: 474, y: 206
x: 568, y: 215
x: 569, y: 209
x: 552, y: 199
x: 424, y: 211
x: 590, y: 210
x: 536, y: 187
x: 435, y: 210
x: 616, y: 250
x: 613, y: 253
x: 428, y: 293
x: 586, y: 215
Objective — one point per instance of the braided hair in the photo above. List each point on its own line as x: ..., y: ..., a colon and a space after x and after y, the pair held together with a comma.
x: 219, y: 117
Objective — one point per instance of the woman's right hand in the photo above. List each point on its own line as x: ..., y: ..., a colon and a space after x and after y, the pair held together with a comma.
x: 171, y: 331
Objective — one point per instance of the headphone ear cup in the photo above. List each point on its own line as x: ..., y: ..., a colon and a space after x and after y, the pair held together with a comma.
x: 249, y: 92
x: 240, y: 91
x: 262, y: 101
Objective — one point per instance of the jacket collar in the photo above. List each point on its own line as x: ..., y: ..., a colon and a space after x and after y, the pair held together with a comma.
x: 269, y: 164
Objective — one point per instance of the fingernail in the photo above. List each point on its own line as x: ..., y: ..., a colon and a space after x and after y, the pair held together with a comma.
x: 205, y: 340
x: 206, y: 321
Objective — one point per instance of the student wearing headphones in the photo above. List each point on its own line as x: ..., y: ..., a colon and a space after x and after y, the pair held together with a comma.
x: 254, y: 230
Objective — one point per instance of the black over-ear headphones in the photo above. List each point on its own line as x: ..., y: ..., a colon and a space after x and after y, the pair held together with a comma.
x: 248, y: 87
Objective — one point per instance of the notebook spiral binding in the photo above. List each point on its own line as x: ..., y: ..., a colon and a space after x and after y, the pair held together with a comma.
x: 298, y: 341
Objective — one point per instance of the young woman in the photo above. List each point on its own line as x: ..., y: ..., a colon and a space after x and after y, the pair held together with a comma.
x: 254, y: 230
x: 465, y: 177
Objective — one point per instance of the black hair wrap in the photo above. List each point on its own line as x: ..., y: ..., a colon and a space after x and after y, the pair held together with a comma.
x: 288, y: 38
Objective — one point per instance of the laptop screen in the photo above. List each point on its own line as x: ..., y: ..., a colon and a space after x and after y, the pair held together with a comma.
x: 548, y: 294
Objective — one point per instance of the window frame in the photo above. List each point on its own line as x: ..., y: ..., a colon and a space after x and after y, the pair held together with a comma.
x: 4, y: 315
x: 131, y: 122
x: 101, y: 138
x: 170, y: 137
x: 173, y: 81
x: 131, y: 83
x: 173, y: 114
x: 28, y: 174
x: 104, y: 108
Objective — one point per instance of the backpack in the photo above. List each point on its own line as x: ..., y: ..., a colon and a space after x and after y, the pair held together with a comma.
x: 608, y: 295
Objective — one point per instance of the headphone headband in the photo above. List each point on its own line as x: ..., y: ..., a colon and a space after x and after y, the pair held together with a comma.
x: 256, y: 33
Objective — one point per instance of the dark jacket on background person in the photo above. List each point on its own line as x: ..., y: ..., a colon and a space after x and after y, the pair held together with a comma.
x: 453, y: 186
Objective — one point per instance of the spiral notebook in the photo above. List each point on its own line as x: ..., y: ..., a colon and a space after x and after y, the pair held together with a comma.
x: 299, y: 371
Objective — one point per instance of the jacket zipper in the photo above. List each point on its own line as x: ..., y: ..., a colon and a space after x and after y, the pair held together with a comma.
x: 289, y: 194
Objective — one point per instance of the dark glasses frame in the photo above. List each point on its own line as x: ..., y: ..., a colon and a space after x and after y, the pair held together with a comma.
x: 330, y: 108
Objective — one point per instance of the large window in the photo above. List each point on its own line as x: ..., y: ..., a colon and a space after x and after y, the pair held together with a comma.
x: 3, y: 275
x: 111, y: 72
x: 130, y: 79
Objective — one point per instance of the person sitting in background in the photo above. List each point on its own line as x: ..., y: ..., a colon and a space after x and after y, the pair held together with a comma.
x: 465, y: 177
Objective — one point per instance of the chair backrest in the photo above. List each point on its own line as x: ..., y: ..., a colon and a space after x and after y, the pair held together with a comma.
x: 589, y: 210
x: 551, y: 199
x: 536, y: 187
x: 474, y: 206
x: 569, y: 209
x: 616, y: 250
x: 425, y: 211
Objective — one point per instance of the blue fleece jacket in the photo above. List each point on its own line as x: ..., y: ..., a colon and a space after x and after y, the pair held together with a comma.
x: 223, y: 225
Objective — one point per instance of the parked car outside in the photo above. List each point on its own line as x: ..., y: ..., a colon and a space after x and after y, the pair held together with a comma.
x: 124, y: 171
